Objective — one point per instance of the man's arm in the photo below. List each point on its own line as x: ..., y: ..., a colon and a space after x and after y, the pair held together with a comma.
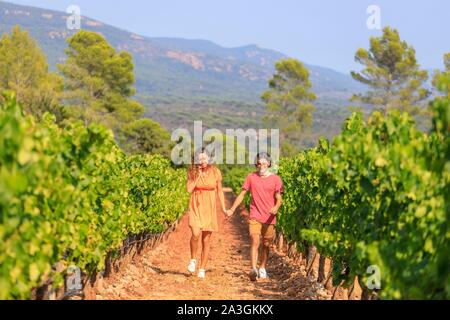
x: 277, y: 206
x: 236, y: 203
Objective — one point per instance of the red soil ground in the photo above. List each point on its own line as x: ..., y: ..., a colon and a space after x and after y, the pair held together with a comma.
x: 162, y: 273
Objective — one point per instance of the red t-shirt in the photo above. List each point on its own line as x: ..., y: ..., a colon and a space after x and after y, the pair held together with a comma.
x: 263, y: 196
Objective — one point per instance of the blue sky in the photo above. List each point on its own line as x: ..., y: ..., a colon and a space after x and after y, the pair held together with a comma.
x: 320, y: 32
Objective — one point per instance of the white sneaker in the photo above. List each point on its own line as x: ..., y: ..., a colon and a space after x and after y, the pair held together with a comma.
x: 192, y: 265
x: 263, y: 273
x: 201, y: 273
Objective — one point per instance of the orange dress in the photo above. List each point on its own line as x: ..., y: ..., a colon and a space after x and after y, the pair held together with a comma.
x: 202, y: 206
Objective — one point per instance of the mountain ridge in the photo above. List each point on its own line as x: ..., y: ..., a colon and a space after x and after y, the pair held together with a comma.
x: 181, y: 80
x: 210, y: 65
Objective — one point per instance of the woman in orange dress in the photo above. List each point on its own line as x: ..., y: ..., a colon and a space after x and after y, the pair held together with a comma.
x: 205, y: 185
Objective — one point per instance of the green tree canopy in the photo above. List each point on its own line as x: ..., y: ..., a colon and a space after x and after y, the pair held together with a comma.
x: 392, y: 74
x: 289, y: 103
x: 437, y: 83
x: 145, y: 136
x: 24, y: 70
x: 99, y: 81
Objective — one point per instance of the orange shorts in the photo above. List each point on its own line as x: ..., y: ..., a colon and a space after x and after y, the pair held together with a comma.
x: 267, y: 231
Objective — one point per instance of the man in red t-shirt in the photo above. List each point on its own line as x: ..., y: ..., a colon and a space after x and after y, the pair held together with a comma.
x: 266, y: 189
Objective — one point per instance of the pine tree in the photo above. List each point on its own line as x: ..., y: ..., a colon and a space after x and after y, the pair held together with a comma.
x: 438, y: 75
x: 24, y: 70
x: 289, y: 103
x: 392, y: 74
x: 99, y: 81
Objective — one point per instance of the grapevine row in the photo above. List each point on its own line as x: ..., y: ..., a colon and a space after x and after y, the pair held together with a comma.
x: 70, y: 195
x: 378, y: 195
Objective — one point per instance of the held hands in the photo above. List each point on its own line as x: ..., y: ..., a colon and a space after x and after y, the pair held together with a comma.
x: 229, y: 213
x: 225, y: 212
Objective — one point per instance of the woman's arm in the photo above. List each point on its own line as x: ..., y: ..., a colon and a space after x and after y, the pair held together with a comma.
x: 191, y: 183
x: 221, y: 195
x: 219, y: 187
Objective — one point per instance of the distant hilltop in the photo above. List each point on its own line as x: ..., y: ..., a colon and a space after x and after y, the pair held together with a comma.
x: 174, y: 66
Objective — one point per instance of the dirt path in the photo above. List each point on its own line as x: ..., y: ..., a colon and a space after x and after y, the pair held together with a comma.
x: 162, y: 273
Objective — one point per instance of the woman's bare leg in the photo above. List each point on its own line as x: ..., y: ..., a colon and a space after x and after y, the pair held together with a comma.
x: 194, y: 242
x: 206, y: 244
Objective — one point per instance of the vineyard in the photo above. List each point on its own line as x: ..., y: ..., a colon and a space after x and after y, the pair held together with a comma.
x: 71, y: 196
x: 94, y: 205
x: 377, y: 196
x: 374, y: 200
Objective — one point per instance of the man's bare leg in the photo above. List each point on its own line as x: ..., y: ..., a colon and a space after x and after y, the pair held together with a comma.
x: 265, y: 253
x: 254, y: 256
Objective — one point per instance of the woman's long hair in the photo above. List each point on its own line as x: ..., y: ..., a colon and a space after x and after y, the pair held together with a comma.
x: 194, y: 168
